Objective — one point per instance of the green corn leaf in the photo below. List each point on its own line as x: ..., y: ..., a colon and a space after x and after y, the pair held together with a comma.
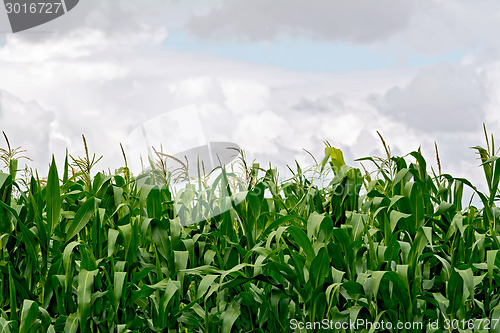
x: 118, y: 284
x: 112, y: 237
x: 336, y: 156
x: 303, y: 241
x: 205, y: 283
x: 153, y: 203
x: 229, y: 316
x: 454, y: 292
x: 126, y: 232
x: 29, y: 317
x: 490, y: 261
x: 82, y: 217
x: 53, y: 198
x: 468, y: 279
x: 6, y: 325
x: 71, y: 324
x: 12, y: 292
x: 84, y: 295
x: 395, y: 217
x: 319, y: 268
x: 495, y: 320
x: 68, y: 250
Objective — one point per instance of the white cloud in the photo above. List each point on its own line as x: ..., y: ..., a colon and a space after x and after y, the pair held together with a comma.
x: 260, y: 133
x: 444, y: 25
x: 197, y: 90
x: 491, y: 73
x: 243, y: 96
x: 439, y: 98
x: 77, y: 43
x: 26, y: 125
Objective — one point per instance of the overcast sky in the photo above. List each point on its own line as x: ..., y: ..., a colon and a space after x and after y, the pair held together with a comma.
x: 274, y: 77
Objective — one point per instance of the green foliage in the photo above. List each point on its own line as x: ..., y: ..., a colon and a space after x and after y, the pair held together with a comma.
x: 114, y: 253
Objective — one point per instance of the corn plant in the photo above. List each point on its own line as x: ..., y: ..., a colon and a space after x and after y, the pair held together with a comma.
x: 113, y: 252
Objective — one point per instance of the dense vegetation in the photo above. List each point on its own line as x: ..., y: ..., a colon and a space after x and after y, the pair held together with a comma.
x: 114, y: 253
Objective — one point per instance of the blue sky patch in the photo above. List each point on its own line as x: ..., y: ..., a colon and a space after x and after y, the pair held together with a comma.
x: 310, y: 55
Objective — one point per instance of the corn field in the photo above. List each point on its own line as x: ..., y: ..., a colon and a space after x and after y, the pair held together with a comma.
x: 333, y: 244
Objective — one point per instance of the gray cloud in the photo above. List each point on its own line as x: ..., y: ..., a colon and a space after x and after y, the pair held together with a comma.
x: 339, y: 20
x: 443, y: 26
x: 439, y: 98
x: 331, y: 103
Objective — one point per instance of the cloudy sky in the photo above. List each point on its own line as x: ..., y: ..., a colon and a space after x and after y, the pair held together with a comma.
x: 274, y: 77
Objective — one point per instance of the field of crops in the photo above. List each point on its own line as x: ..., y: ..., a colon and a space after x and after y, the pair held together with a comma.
x: 99, y: 252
